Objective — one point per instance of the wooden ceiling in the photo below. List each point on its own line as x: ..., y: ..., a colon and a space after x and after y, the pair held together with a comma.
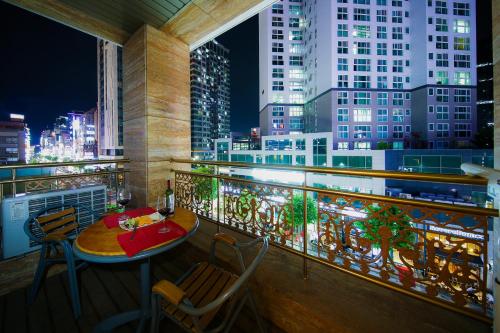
x: 192, y: 21
x: 129, y: 15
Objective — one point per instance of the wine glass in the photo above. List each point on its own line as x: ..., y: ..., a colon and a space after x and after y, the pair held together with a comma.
x: 123, y: 197
x: 161, y: 207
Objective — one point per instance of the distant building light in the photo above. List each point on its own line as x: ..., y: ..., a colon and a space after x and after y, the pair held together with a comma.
x: 484, y: 64
x: 485, y: 102
x: 16, y: 116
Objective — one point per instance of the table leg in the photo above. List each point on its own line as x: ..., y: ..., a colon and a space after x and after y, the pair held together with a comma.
x: 143, y: 314
x: 145, y: 294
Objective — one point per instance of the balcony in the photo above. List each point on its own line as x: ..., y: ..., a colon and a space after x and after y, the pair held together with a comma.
x: 356, y: 253
x: 358, y: 263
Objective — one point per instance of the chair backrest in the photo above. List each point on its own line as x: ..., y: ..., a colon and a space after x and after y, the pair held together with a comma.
x: 246, y: 272
x: 53, y: 223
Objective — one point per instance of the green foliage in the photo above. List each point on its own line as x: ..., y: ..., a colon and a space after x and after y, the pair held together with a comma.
x: 382, y: 145
x: 393, y: 218
x: 206, y: 186
x: 298, y: 210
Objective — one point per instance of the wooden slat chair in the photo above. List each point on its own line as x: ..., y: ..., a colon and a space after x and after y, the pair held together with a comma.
x: 194, y: 301
x: 55, y: 228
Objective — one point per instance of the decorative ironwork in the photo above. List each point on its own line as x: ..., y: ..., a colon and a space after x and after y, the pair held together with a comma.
x: 435, y: 253
x: 196, y: 192
x: 260, y: 210
x: 40, y: 185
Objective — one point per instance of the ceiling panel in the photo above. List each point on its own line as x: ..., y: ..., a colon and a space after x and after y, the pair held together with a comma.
x: 129, y: 15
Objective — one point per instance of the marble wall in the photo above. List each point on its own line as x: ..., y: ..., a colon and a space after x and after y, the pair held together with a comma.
x: 156, y: 110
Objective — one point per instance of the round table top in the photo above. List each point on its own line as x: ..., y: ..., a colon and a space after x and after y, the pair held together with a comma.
x: 98, y: 243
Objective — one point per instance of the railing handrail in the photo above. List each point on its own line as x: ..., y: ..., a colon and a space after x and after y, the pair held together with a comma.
x: 425, y: 177
x: 69, y: 175
x: 56, y: 164
x: 429, y: 204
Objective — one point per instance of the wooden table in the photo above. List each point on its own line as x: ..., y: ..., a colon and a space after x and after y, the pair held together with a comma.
x: 98, y: 244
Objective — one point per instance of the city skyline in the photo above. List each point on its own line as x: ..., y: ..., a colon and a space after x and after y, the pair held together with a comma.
x: 37, y: 99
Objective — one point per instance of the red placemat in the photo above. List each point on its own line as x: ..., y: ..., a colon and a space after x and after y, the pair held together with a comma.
x: 149, y: 236
x: 111, y: 221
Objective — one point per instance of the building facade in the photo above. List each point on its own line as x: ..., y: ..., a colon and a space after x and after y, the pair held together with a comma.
x: 109, y: 99
x: 14, y: 140
x: 210, y: 98
x: 357, y: 68
x: 314, y: 149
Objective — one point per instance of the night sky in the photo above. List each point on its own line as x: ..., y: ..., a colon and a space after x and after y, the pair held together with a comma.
x: 48, y: 69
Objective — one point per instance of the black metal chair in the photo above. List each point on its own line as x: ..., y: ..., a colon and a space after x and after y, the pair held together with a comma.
x: 194, y: 301
x: 54, y: 228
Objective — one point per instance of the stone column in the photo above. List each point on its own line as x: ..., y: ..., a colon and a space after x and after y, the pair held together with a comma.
x: 157, y: 119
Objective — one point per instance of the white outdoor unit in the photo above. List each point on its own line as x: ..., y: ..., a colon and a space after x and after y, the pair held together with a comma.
x: 15, y: 211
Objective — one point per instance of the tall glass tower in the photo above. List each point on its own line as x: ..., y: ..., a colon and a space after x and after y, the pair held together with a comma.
x: 210, y: 98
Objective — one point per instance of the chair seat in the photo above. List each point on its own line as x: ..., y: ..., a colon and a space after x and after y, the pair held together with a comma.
x: 202, y: 286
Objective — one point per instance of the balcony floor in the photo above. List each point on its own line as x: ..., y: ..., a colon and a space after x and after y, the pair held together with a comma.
x: 105, y: 290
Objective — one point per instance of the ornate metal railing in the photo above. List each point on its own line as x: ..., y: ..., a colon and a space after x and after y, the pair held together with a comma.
x: 30, y: 178
x: 433, y: 251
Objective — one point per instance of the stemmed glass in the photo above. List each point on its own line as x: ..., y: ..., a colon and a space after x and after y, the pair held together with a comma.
x: 123, y: 197
x: 161, y: 207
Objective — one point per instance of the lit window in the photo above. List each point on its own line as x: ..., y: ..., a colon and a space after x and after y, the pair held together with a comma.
x: 361, y: 31
x: 362, y: 115
x: 461, y: 26
x: 462, y: 78
x: 461, y: 43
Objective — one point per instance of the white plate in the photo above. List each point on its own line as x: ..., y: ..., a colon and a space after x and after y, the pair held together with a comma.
x: 156, y: 217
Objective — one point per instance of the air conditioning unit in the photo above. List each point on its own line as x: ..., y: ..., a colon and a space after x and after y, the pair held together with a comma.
x: 15, y: 211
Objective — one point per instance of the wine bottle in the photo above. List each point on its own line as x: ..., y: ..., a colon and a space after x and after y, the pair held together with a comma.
x: 169, y: 196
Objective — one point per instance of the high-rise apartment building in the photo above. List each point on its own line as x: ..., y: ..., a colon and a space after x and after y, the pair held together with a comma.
x: 109, y: 99
x: 210, y: 99
x: 14, y: 140
x: 370, y: 71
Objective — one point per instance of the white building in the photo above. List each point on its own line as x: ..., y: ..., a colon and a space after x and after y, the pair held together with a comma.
x: 400, y: 72
x: 312, y: 149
